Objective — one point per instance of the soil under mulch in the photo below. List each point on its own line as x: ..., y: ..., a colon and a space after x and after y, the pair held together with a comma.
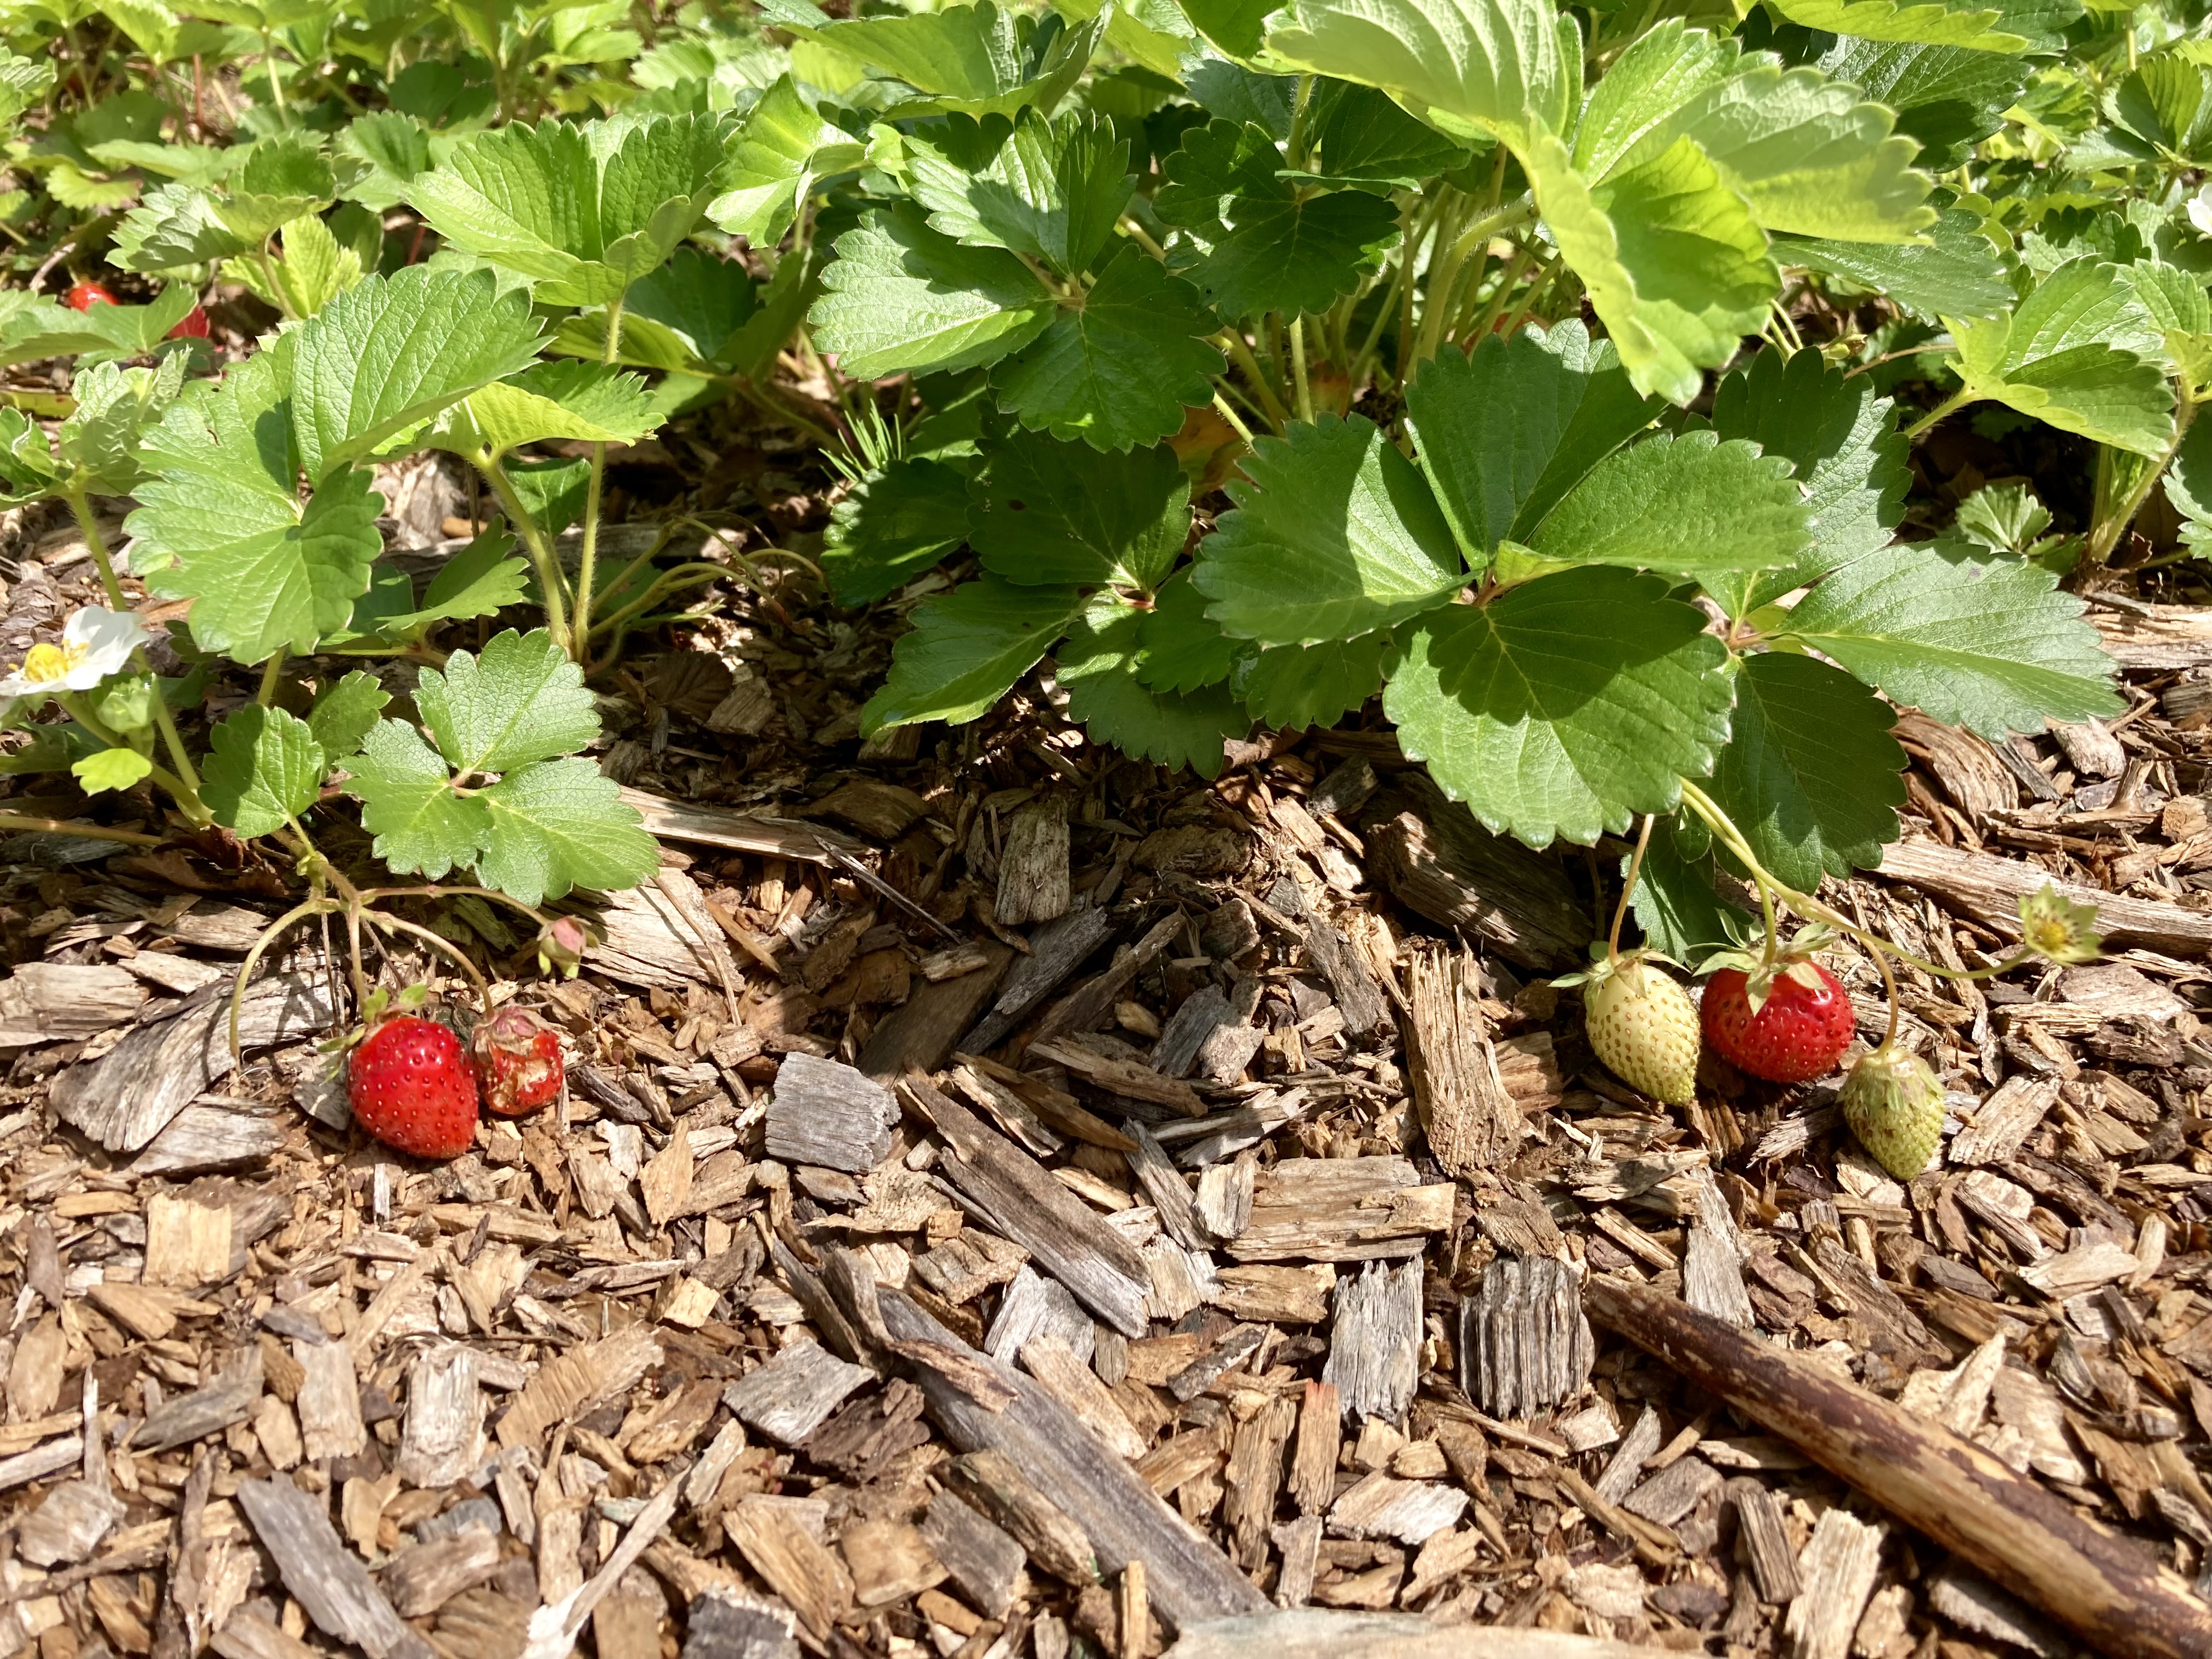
x: 973, y: 1132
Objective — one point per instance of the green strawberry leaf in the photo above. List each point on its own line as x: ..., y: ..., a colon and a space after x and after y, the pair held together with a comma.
x: 264, y: 770
x: 421, y: 826
x: 343, y: 714
x: 893, y: 525
x: 977, y: 59
x: 282, y: 176
x: 557, y: 825
x: 1364, y: 139
x: 1687, y: 506
x: 1270, y: 244
x: 1673, y: 259
x: 480, y: 579
x: 1505, y: 431
x: 1335, y: 535
x: 1849, y: 458
x: 2188, y: 485
x: 567, y: 399
x: 1811, y: 775
x: 1290, y: 687
x: 780, y: 151
x: 109, y: 769
x: 1119, y: 365
x: 523, y: 700
x: 1970, y: 639
x: 1948, y: 98
x: 1050, y: 512
x: 393, y: 352
x: 1564, y: 707
x: 1183, y: 649
x: 1472, y: 68
x: 1960, y: 273
x: 1676, y: 905
x: 1930, y: 24
x: 115, y: 406
x: 2079, y: 353
x: 1097, y: 665
x: 1052, y: 190
x: 221, y: 523
x: 173, y: 226
x: 902, y: 298
x: 966, y: 650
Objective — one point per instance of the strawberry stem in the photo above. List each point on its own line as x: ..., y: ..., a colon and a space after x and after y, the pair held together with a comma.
x: 1628, y: 890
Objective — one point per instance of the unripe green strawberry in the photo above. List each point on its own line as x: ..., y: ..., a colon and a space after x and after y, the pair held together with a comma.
x: 1644, y: 1027
x: 1894, y: 1105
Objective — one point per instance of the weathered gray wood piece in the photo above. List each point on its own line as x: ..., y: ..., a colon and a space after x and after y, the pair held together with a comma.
x: 985, y: 1562
x: 727, y: 1624
x: 1524, y: 1345
x: 924, y: 1030
x: 1314, y: 1633
x: 324, y: 1576
x: 1057, y: 949
x: 1358, y: 999
x: 1440, y: 863
x: 1473, y: 1125
x: 1187, y: 1577
x: 790, y: 1396
x: 826, y: 1113
x: 1374, y: 1344
x: 1033, y: 875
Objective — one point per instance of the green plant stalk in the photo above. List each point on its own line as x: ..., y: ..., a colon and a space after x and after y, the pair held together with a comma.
x: 185, y: 781
x: 581, y: 632
x: 80, y: 712
x: 1508, y: 281
x: 1958, y: 400
x: 1298, y: 367
x: 1442, y: 304
x: 1414, y: 224
x: 1724, y: 829
x: 272, y: 677
x: 1229, y: 415
x: 683, y: 576
x: 2112, y: 523
x: 18, y: 821
x: 1295, y: 149
x: 1240, y: 353
x: 1628, y: 889
x: 542, y: 557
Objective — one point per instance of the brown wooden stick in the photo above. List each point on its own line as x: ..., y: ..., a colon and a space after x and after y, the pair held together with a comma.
x: 2108, y: 1589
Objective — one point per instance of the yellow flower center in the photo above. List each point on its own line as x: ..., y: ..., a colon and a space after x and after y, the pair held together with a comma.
x: 46, y: 664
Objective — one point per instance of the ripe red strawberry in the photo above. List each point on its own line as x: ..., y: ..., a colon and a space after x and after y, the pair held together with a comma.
x: 517, y: 1058
x: 1799, y: 1030
x: 84, y: 296
x: 194, y: 326
x: 412, y: 1089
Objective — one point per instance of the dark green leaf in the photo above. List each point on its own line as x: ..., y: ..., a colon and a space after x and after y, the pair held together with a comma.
x: 966, y: 650
x: 893, y: 525
x: 1097, y: 666
x: 1051, y: 512
x: 264, y: 768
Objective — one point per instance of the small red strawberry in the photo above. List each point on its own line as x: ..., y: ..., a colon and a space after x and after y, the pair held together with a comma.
x: 517, y: 1058
x: 1787, y: 1022
x: 84, y: 296
x: 194, y: 326
x: 410, y: 1088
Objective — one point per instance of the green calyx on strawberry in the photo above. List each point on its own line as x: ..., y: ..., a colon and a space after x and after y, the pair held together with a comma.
x: 409, y: 1083
x: 1641, y: 1023
x: 1894, y: 1104
x: 1782, y: 1017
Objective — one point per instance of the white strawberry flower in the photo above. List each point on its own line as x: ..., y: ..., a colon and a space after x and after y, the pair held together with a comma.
x: 94, y: 643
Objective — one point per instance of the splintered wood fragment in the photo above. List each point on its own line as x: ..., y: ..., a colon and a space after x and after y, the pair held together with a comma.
x: 1016, y: 1198
x: 424, y: 1577
x: 1989, y: 889
x: 1076, y: 1386
x: 1121, y: 1077
x: 1225, y: 1196
x: 129, y: 1093
x: 247, y: 1635
x: 41, y: 1461
x: 827, y: 1113
x: 1341, y: 1209
x: 1412, y: 1511
x: 555, y: 1626
x: 1120, y: 1517
x: 1273, y: 1294
x: 206, y: 1410
x: 1253, y: 1478
x: 791, y: 1396
x: 1358, y: 999
x: 1167, y: 1186
x: 328, y: 1401
x: 1316, y: 1634
x: 187, y: 1243
x: 1055, y: 1106
x: 2100, y: 1585
x: 983, y: 1559
x: 1056, y: 950
x: 774, y: 1536
x: 2000, y: 1125
x: 1442, y: 865
x: 924, y: 1031
x: 1313, y: 1463
x: 68, y: 1524
x: 1217, y: 1362
x: 1524, y: 1344
x: 1084, y: 1007
x: 1374, y: 1345
x: 1974, y: 1603
x: 742, y: 832
x: 1033, y: 877
x: 1766, y: 1541
x: 1299, y: 1543
x: 55, y: 1002
x: 728, y: 1623
x: 890, y: 1561
x: 442, y: 1439
x: 136, y: 1310
x: 1712, y: 1276
x: 1035, y: 1306
x: 987, y: 1481
x: 1837, y: 1574
x: 1473, y: 1124
x: 323, y: 1576
x: 577, y: 1380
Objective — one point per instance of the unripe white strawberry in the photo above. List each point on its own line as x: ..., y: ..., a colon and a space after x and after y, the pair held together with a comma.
x: 1644, y: 1027
x: 1894, y: 1105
